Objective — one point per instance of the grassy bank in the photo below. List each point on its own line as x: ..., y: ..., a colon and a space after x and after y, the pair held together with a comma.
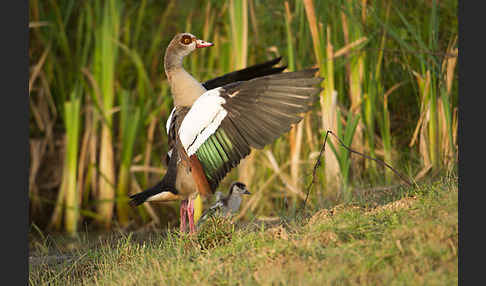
x: 401, y: 236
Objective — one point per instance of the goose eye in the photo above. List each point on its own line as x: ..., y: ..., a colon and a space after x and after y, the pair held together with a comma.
x: 186, y: 40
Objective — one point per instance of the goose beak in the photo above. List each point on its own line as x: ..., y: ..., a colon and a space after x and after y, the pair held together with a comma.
x: 203, y: 44
x: 247, y: 192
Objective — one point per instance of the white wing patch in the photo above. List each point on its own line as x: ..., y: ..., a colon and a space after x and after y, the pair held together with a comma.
x: 167, y: 124
x: 202, y: 120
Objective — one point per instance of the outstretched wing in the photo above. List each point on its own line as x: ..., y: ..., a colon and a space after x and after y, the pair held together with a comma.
x: 224, y: 123
x: 258, y: 70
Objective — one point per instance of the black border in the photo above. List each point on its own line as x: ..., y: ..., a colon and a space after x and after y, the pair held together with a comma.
x: 14, y: 117
x: 469, y: 96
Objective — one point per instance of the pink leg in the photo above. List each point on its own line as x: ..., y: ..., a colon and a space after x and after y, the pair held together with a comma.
x: 190, y: 216
x: 183, y: 211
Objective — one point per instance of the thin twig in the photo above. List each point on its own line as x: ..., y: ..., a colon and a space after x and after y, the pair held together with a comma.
x: 352, y: 151
x: 315, y: 169
x: 374, y: 159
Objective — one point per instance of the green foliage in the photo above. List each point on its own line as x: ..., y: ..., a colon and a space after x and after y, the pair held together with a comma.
x: 110, y: 53
x: 129, y: 127
x: 72, y: 119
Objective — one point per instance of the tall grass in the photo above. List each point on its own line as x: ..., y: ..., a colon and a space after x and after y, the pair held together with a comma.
x: 296, y: 134
x: 99, y: 98
x: 435, y: 124
x: 355, y: 67
x: 72, y: 119
x: 384, y: 121
x: 104, y: 64
x: 238, y: 15
x: 129, y: 126
x: 324, y: 54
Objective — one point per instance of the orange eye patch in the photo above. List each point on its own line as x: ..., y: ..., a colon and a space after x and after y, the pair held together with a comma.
x: 186, y: 39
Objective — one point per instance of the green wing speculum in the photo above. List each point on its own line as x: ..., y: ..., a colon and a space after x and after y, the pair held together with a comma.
x: 221, y: 152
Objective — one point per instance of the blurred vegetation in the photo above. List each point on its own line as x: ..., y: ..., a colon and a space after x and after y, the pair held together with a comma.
x: 99, y: 99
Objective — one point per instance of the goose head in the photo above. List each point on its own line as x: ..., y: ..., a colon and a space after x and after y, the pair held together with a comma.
x: 182, y: 45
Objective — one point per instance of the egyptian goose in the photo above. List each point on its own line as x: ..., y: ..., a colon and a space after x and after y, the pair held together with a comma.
x: 226, y: 205
x: 214, y: 125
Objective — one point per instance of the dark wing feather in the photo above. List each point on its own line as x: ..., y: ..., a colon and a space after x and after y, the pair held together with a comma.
x: 266, y: 107
x: 255, y: 71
